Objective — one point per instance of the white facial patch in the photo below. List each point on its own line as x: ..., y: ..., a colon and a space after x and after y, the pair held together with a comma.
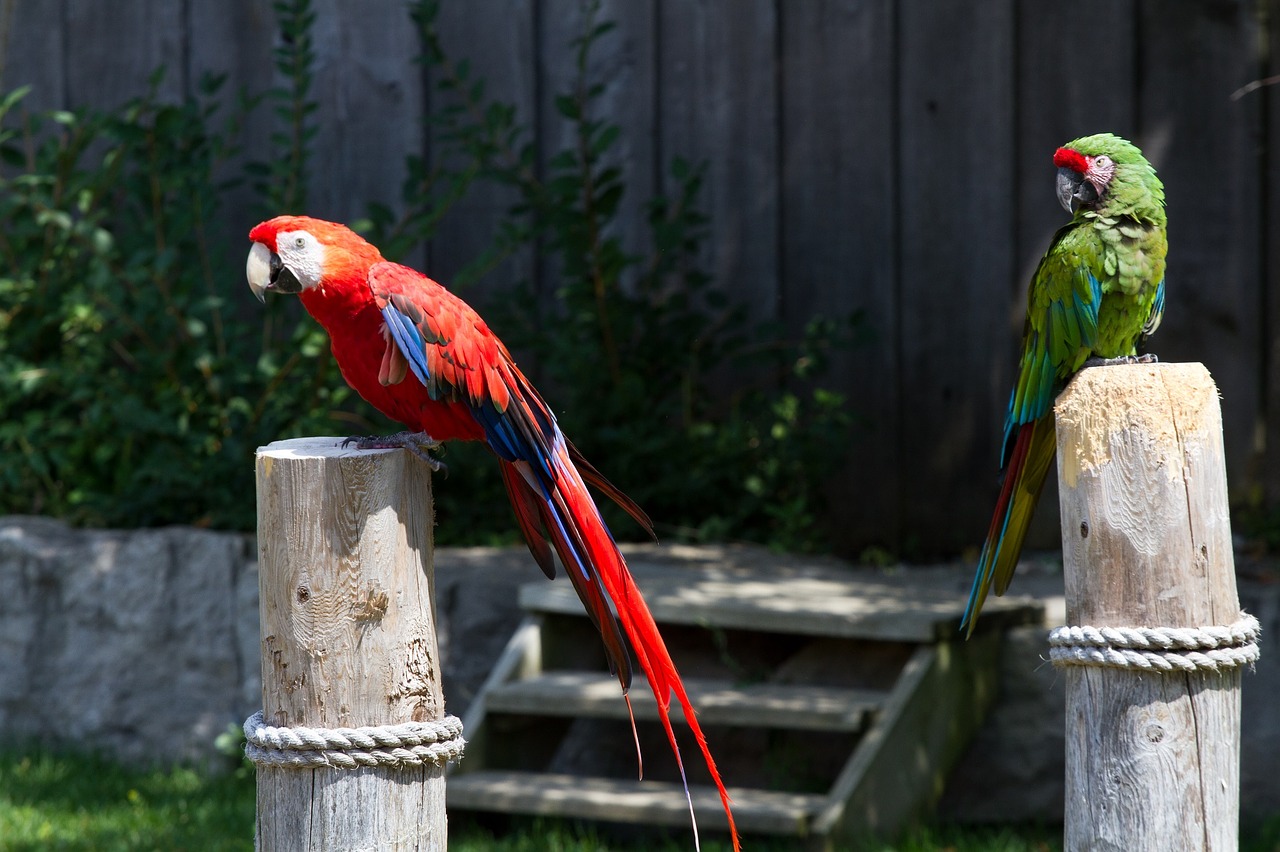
x: 303, y: 255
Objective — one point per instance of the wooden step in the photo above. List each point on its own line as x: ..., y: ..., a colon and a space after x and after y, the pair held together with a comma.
x: 905, y: 606
x: 649, y: 802
x: 759, y: 705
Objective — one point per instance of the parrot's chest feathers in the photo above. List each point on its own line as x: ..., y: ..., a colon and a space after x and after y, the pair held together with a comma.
x: 1132, y: 256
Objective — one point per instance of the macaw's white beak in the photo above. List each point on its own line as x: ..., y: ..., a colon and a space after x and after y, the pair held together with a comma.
x: 265, y: 272
x: 258, y: 269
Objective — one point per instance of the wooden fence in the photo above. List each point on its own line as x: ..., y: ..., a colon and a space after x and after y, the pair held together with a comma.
x: 890, y: 157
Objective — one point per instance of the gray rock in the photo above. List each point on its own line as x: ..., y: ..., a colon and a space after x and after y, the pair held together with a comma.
x: 144, y: 644
x: 121, y: 641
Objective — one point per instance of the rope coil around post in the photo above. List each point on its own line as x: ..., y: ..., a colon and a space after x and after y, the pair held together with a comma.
x: 411, y: 744
x: 1165, y: 649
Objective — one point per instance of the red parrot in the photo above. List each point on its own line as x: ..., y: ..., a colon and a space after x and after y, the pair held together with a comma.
x: 423, y: 357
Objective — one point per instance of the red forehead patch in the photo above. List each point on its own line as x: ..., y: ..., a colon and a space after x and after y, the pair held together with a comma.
x: 1065, y: 158
x: 265, y: 232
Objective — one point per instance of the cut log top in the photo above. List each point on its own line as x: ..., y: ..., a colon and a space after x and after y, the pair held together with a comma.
x: 316, y: 447
x: 1143, y: 497
x: 1167, y: 402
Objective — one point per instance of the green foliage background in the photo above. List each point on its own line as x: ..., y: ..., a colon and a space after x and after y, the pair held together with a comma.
x: 134, y: 389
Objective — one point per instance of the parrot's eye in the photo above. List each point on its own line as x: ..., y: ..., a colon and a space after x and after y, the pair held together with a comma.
x: 300, y: 242
x: 1102, y: 160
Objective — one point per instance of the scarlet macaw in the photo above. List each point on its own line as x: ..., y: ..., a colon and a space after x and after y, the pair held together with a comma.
x: 423, y: 357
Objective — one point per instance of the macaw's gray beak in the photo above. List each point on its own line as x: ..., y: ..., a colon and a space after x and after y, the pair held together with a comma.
x: 1074, y: 191
x: 265, y: 272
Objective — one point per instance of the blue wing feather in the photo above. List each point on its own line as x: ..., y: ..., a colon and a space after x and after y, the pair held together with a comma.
x: 410, y: 343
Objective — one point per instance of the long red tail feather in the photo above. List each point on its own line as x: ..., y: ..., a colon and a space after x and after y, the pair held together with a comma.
x: 587, y: 541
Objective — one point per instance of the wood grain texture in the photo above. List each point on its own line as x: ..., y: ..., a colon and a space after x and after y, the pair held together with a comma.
x: 1147, y: 543
x: 1269, y: 366
x: 956, y: 114
x: 718, y: 102
x: 648, y: 802
x: 931, y: 713
x: 719, y: 702
x: 1194, y: 56
x: 117, y: 46
x: 236, y: 39
x: 622, y: 65
x: 34, y: 52
x: 504, y: 57
x: 857, y: 605
x: 348, y: 626
x: 369, y: 88
x: 839, y: 222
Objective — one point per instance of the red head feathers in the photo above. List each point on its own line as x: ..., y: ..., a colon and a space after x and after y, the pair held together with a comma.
x: 1065, y: 158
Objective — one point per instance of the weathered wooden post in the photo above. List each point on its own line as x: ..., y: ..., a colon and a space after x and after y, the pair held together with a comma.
x: 1157, y: 640
x: 352, y: 741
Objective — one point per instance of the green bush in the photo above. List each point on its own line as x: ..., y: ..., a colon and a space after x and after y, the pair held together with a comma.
x: 135, y: 385
x: 133, y: 392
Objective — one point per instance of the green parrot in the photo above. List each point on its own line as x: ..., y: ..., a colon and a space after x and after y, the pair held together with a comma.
x: 1097, y: 292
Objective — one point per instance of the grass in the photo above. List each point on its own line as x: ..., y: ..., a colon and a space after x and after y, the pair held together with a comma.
x: 51, y: 801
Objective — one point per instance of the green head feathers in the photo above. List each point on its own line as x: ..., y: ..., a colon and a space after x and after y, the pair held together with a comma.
x: 1106, y: 175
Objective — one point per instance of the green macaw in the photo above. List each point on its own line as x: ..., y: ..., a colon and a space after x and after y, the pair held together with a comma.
x: 1098, y: 291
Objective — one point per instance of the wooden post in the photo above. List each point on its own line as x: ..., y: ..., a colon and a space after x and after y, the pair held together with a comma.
x: 349, y: 640
x: 1152, y: 759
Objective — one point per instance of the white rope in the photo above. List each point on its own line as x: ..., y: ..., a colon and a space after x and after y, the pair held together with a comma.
x: 410, y: 744
x: 1165, y: 649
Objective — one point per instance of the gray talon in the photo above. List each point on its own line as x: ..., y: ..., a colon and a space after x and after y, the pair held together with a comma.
x: 1117, y: 362
x: 417, y: 443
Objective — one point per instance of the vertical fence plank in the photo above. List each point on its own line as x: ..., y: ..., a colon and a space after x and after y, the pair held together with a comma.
x: 1205, y: 147
x: 35, y: 52
x: 1269, y: 366
x: 496, y: 39
x: 718, y: 105
x: 117, y: 46
x: 236, y: 38
x: 839, y: 220
x: 623, y: 63
x: 368, y: 85
x: 1057, y: 103
x: 956, y: 185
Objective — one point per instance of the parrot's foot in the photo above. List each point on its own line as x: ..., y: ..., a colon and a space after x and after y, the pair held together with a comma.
x: 1123, y: 359
x: 418, y: 443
